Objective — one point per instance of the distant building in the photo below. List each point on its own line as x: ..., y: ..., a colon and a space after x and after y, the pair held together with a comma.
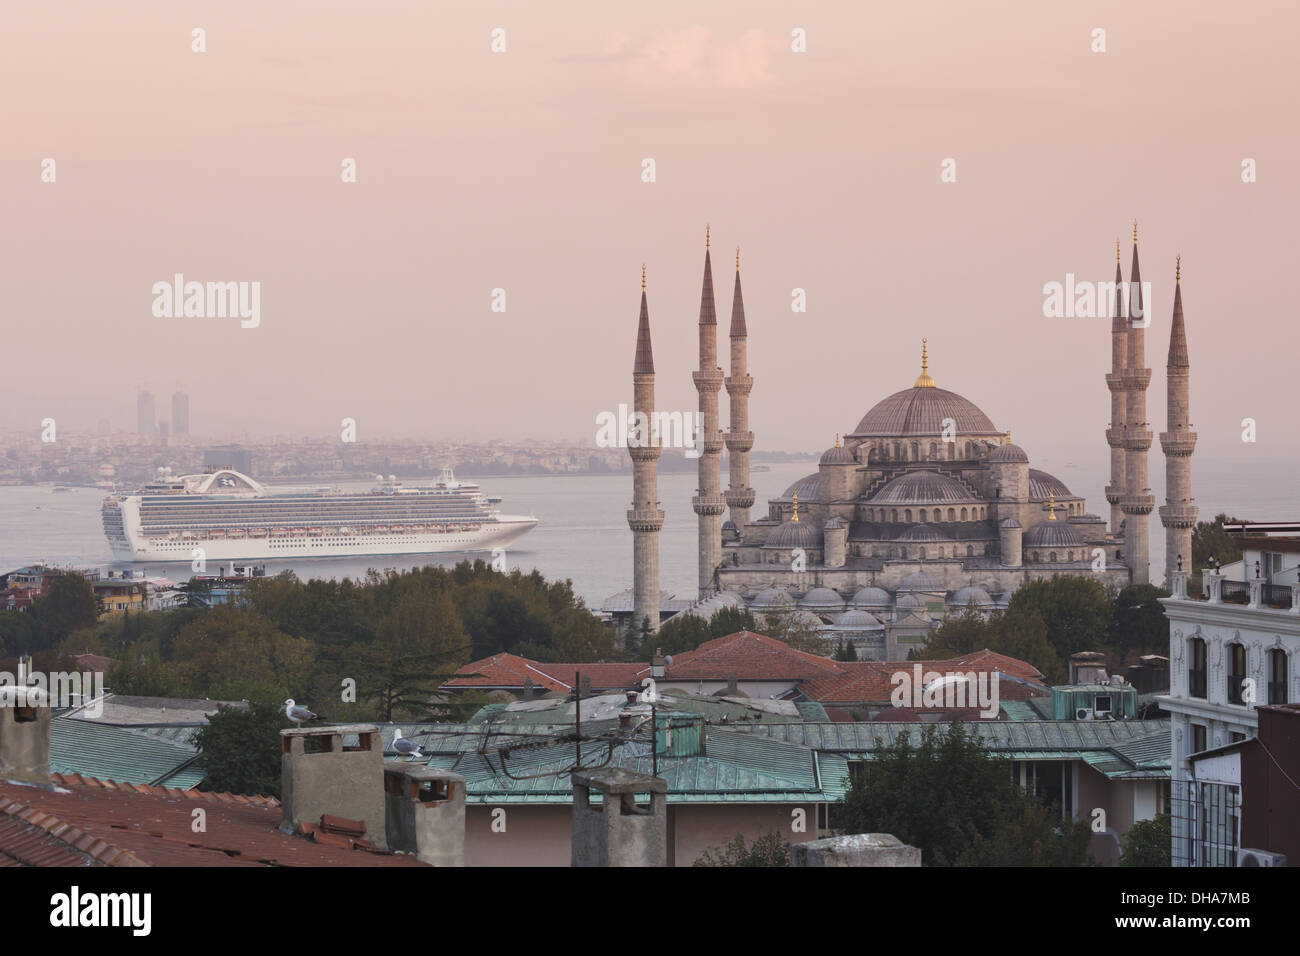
x: 144, y: 415
x: 164, y: 430
x: 232, y: 457
x: 180, y: 415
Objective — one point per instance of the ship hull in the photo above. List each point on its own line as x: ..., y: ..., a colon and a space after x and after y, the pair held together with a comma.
x: 496, y: 534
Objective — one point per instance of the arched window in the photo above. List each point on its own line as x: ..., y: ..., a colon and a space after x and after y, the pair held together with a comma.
x: 938, y: 515
x: 963, y: 514
x: 893, y: 514
x: 1052, y: 557
x: 907, y: 514
x: 970, y: 551
x: 1069, y: 556
x: 923, y: 554
x: 934, y: 450
x: 1196, y: 670
x: 952, y: 514
x: 1236, y: 672
x: 1277, y: 676
x: 916, y: 451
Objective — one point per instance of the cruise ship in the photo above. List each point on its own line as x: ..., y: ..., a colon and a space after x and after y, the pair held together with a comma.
x: 231, y: 516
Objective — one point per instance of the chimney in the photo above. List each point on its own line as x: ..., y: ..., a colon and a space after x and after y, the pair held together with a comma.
x: 658, y: 664
x: 425, y: 809
x: 619, y: 832
x: 322, y: 771
x: 25, y: 734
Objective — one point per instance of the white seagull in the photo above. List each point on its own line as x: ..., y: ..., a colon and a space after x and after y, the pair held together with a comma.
x: 297, y: 714
x: 405, y: 748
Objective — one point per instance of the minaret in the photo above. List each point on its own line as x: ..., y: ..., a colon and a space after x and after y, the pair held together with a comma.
x: 708, y: 502
x: 1178, y: 514
x: 1118, y: 401
x: 740, y: 497
x: 1137, y: 501
x: 644, y: 517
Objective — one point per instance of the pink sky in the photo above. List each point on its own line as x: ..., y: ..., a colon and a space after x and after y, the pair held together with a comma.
x: 521, y: 171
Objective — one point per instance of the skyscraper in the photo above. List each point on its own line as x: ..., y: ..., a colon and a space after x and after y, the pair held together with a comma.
x: 144, y: 415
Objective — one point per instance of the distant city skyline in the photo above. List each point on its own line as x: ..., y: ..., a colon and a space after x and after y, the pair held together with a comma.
x: 377, y: 296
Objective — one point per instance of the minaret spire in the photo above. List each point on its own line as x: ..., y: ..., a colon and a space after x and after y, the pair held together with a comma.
x: 1137, y: 501
x: 740, y: 497
x: 1178, y: 441
x: 1115, y: 434
x: 644, y: 517
x: 708, y: 502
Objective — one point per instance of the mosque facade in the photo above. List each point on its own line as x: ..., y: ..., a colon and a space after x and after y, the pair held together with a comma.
x: 924, y: 508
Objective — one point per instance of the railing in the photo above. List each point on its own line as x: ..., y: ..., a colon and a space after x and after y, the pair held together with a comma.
x: 1277, y: 595
x: 1236, y: 592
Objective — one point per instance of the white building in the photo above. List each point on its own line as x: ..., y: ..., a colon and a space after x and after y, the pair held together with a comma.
x: 1232, y: 648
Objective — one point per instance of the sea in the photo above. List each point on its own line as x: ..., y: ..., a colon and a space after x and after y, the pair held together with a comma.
x: 582, y: 533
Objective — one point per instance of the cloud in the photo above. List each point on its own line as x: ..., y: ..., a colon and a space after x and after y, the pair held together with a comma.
x: 692, y: 59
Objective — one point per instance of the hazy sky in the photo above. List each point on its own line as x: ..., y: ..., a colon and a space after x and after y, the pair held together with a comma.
x: 522, y: 170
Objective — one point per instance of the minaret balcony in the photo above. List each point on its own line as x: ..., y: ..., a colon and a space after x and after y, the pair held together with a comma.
x: 643, y: 452
x: 710, y: 381
x: 1179, y: 516
x: 645, y: 519
x: 741, y: 498
x: 1137, y: 439
x: 739, y: 385
x: 1137, y: 504
x: 1115, y: 437
x: 740, y: 441
x: 1115, y: 381
x: 709, y: 504
x: 1114, y: 493
x: 713, y: 446
x: 1178, y: 444
x: 1136, y: 379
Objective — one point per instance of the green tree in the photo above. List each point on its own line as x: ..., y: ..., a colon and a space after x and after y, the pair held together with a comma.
x: 907, y: 790
x: 729, y: 620
x: 1079, y: 613
x: 240, y: 749
x: 796, y: 629
x: 1148, y: 843
x: 1021, y: 634
x: 767, y: 850
x: 1140, y: 622
x: 68, y: 603
x: 845, y: 651
x: 681, y: 632
x: 1210, y: 540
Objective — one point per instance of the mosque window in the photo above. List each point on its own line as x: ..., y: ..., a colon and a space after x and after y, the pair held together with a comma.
x: 923, y: 554
x: 893, y: 514
x: 907, y: 514
x: 934, y: 450
x: 970, y: 551
x: 963, y: 514
x: 1069, y: 556
x: 916, y: 451
x: 952, y: 514
x: 1052, y: 557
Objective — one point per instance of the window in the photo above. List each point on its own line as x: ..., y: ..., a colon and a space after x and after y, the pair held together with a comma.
x: 1236, y: 672
x: 952, y: 514
x: 1277, y: 676
x: 1198, y: 738
x: 1196, y: 668
x: 963, y: 514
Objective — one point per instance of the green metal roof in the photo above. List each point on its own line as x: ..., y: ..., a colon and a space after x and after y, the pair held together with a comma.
x: 1019, y: 710
x: 123, y: 754
x: 996, y: 735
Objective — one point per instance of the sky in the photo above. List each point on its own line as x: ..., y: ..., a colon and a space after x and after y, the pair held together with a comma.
x: 522, y: 170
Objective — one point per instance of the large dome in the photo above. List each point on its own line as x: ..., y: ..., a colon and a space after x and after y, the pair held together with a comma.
x: 920, y: 410
x: 924, y: 487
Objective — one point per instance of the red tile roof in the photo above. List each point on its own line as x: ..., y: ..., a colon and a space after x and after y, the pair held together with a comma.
x: 748, y: 656
x: 89, y: 822
x: 860, y: 682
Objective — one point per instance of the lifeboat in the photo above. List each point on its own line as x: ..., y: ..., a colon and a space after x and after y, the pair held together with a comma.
x: 316, y: 531
x: 417, y: 527
x: 279, y: 531
x: 381, y: 528
x: 237, y: 533
x: 217, y: 533
x: 257, y: 533
x: 299, y: 531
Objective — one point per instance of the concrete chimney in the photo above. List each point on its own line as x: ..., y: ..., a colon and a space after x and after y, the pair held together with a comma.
x: 25, y: 734
x: 321, y: 772
x: 858, y: 849
x: 619, y: 832
x: 425, y: 809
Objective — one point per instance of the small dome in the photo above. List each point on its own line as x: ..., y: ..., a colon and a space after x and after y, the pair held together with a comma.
x: 920, y: 581
x: 1010, y: 522
x: 968, y: 594
x: 838, y: 455
x: 794, y: 534
x: 907, y: 600
x: 1008, y: 453
x: 858, y: 621
x: 871, y: 597
x: 771, y: 597
x: 819, y: 598
x: 729, y: 525
x: 1052, y: 534
x: 922, y: 532
x: 1041, y: 484
x: 809, y: 488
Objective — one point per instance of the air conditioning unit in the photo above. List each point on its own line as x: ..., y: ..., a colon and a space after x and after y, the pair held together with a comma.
x: 1247, y: 857
x: 1083, y: 713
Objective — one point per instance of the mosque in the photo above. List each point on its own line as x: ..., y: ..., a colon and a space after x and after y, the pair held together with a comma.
x: 924, y: 508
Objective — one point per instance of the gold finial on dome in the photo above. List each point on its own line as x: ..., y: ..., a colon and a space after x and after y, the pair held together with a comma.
x: 837, y: 439
x: 924, y: 380
x: 796, y: 506
x: 1135, y: 232
x: 1117, y: 250
x: 1051, y: 504
x: 706, y: 236
x: 737, y: 258
x: 1178, y: 269
x: 643, y: 277
x: 1008, y: 441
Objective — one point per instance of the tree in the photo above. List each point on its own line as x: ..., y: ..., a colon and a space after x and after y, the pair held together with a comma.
x: 1079, y: 613
x: 1209, y: 540
x: 907, y: 790
x: 68, y: 604
x: 240, y: 749
x: 767, y: 850
x: 1148, y: 842
x: 1021, y: 634
x: 729, y: 620
x: 845, y: 651
x: 796, y: 629
x: 1140, y: 622
x: 681, y: 632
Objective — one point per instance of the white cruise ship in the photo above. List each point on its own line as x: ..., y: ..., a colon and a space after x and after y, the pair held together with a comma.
x: 231, y: 516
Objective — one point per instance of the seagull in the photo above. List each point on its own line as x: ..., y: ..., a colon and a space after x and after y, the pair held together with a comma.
x: 297, y: 714
x: 405, y: 748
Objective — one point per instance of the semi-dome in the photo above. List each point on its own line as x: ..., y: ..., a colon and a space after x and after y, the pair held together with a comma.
x: 1008, y: 454
x: 819, y: 598
x: 921, y: 410
x: 870, y: 596
x: 972, y: 593
x: 922, y: 532
x: 809, y: 488
x: 794, y: 534
x: 920, y: 581
x: 858, y: 621
x: 1052, y: 534
x: 921, y: 487
x: 771, y: 598
x: 1041, y: 485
